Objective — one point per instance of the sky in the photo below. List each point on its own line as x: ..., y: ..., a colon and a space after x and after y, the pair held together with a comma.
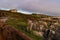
x: 49, y: 7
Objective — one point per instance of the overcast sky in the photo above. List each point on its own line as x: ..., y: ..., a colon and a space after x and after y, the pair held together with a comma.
x: 50, y: 7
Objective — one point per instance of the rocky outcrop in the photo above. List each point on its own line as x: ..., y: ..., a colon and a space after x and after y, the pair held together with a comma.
x: 36, y: 25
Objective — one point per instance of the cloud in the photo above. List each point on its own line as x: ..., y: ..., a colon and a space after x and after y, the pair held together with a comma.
x: 50, y: 7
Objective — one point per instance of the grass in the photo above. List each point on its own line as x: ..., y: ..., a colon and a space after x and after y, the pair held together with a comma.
x: 30, y: 34
x: 22, y: 26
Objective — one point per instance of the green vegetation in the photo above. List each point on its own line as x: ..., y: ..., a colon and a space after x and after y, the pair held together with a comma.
x: 19, y: 21
x: 20, y: 25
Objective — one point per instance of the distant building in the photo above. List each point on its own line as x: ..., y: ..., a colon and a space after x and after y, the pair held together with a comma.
x: 13, y: 10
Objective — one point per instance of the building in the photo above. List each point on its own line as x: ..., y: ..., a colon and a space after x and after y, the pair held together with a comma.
x: 13, y: 10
